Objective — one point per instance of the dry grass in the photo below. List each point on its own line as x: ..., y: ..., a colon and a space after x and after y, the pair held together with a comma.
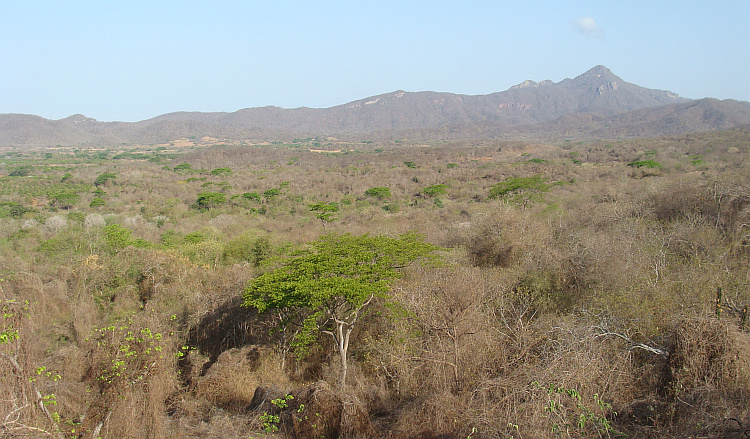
x: 520, y: 304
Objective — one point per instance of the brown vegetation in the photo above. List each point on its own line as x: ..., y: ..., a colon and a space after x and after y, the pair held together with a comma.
x: 590, y: 311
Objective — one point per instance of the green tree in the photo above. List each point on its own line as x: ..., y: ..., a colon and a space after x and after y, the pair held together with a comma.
x: 209, y: 200
x: 117, y: 237
x: 380, y: 193
x: 97, y: 202
x: 271, y: 193
x: 222, y: 171
x: 251, y: 196
x: 434, y: 190
x: 20, y: 171
x: 324, y: 211
x: 520, y: 190
x: 102, y: 179
x: 327, y: 286
x: 65, y: 200
x: 185, y: 167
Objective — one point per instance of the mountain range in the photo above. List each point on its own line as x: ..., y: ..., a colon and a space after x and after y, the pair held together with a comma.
x: 595, y: 104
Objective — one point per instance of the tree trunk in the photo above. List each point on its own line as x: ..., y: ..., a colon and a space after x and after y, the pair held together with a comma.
x: 342, y: 341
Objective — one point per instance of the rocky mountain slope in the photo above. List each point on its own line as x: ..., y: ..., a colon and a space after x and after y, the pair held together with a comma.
x: 596, y: 103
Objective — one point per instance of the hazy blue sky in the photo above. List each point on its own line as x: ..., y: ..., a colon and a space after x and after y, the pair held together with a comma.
x: 132, y: 60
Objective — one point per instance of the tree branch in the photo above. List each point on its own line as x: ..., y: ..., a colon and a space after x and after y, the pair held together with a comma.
x: 633, y: 345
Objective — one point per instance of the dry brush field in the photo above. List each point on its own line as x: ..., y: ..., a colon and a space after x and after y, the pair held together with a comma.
x: 584, y: 289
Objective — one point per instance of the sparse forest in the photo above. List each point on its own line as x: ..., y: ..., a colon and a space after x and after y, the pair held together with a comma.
x: 487, y: 289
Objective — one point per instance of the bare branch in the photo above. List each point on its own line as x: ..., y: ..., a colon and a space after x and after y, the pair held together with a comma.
x: 633, y: 345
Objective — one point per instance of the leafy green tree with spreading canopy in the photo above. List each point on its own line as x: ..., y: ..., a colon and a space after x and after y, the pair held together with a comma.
x: 520, y: 190
x: 102, y: 179
x: 380, y: 193
x: 65, y: 200
x: 209, y: 200
x: 325, y: 211
x: 434, y: 190
x: 327, y: 286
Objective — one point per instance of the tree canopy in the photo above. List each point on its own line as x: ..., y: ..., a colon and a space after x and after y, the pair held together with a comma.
x: 326, y: 286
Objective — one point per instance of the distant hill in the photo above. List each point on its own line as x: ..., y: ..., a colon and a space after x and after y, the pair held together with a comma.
x: 596, y: 103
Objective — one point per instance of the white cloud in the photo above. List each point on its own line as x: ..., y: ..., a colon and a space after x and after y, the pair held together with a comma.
x: 588, y: 27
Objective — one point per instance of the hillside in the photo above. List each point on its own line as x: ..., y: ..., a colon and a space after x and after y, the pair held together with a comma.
x: 595, y: 104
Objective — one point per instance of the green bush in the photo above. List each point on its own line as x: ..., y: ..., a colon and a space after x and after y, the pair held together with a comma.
x: 104, y: 178
x: 380, y: 193
x: 325, y: 211
x: 13, y: 209
x: 520, y: 189
x: 185, y: 167
x: 65, y: 200
x: 271, y: 193
x: 209, y: 200
x: 251, y: 196
x: 20, y: 171
x: 434, y: 190
x: 117, y: 237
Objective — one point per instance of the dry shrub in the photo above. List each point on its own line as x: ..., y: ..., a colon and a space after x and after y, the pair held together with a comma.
x: 131, y: 371
x: 436, y: 415
x: 682, y: 199
x: 560, y: 358
x: 231, y: 381
x: 22, y: 409
x: 507, y: 237
x: 316, y: 411
x: 447, y: 335
x: 212, y: 424
x: 710, y: 370
x: 710, y: 352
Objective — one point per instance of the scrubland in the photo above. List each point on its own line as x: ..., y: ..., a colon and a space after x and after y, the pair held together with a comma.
x: 587, y: 289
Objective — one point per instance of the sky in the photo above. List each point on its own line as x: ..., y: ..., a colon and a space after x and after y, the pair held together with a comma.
x: 132, y: 60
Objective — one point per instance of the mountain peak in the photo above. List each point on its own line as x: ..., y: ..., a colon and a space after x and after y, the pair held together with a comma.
x: 531, y: 84
x: 77, y: 118
x: 599, y: 73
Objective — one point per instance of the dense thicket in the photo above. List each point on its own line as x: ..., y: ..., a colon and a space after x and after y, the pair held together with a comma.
x: 580, y: 296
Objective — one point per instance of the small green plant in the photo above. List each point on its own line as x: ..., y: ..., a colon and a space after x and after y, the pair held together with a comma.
x: 12, y: 312
x: 132, y: 353
x: 270, y: 422
x: 411, y: 165
x: 583, y: 419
